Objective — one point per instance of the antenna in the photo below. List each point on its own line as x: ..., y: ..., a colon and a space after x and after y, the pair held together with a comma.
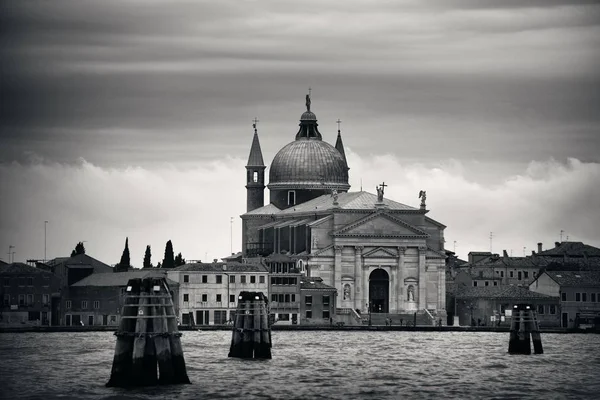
x: 455, y: 246
x: 561, y: 233
x: 524, y: 253
x: 491, y: 237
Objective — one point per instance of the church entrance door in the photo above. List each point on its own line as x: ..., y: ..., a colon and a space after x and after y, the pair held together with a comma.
x: 379, y: 291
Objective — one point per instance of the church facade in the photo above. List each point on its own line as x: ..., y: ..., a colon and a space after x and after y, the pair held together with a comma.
x: 381, y: 256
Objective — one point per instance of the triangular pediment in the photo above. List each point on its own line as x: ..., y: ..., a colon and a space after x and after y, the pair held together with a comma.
x: 380, y: 224
x: 324, y: 252
x: 431, y: 253
x: 381, y: 252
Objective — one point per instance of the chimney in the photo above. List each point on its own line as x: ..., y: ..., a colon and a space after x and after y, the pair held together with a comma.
x: 225, y: 267
x: 556, y: 244
x: 504, y: 254
x: 539, y: 247
x: 532, y: 252
x: 215, y: 260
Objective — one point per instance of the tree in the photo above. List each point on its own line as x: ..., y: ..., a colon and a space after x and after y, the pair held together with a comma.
x: 179, y: 260
x: 169, y: 261
x: 158, y: 265
x: 147, y: 258
x: 79, y: 249
x: 125, y: 262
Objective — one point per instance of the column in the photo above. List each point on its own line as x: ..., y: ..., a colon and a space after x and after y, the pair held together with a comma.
x: 422, y: 278
x: 400, y: 280
x: 358, y: 296
x: 393, y: 300
x: 442, y: 287
x: 365, y: 274
x: 337, y: 274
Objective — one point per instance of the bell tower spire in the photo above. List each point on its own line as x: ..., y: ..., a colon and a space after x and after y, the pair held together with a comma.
x: 255, y: 174
x: 339, y: 145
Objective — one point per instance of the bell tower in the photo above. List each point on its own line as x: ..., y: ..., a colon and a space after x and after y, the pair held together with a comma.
x: 255, y: 175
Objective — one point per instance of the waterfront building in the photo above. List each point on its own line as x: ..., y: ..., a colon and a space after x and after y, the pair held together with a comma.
x: 73, y: 269
x: 318, y: 302
x: 29, y: 295
x: 578, y: 293
x: 285, y: 276
x: 208, y: 292
x: 99, y: 298
x: 381, y: 256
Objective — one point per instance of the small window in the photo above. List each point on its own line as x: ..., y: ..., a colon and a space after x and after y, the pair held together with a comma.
x: 577, y: 296
x: 519, y: 275
x: 6, y: 281
x: 96, y: 304
x: 68, y: 304
x: 219, y: 278
x: 218, y: 298
x: 29, y: 281
x: 584, y: 296
x: 273, y: 281
x: 287, y: 298
x: 204, y: 298
x: 21, y: 281
x: 30, y: 299
x: 21, y: 299
x: 540, y: 309
x: 308, y: 300
x: 243, y: 279
x: 325, y: 300
x: 526, y: 274
x: 293, y: 297
x: 495, y: 283
x: 204, y: 278
x: 487, y: 283
x: 511, y: 274
x: 186, y: 297
x: 186, y: 279
x: 501, y: 274
x: 281, y: 298
x: 83, y: 304
x: 261, y: 279
x: 291, y: 197
x: 563, y: 296
x: 326, y: 314
x: 274, y: 297
x: 593, y: 297
x: 232, y: 298
x: 45, y: 299
x: 308, y: 314
x: 255, y: 176
x: 252, y: 279
x: 474, y: 283
x: 552, y: 309
x: 231, y: 278
x: 6, y: 300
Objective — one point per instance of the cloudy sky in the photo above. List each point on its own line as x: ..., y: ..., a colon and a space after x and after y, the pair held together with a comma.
x: 133, y: 118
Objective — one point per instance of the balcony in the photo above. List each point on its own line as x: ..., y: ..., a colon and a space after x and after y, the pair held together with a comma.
x: 256, y: 249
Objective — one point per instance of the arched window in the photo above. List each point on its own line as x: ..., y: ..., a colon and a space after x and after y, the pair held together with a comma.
x: 255, y: 176
x: 291, y: 197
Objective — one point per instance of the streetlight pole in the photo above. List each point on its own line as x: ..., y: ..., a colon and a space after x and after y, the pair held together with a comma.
x: 10, y: 247
x: 45, y: 225
x: 231, y: 235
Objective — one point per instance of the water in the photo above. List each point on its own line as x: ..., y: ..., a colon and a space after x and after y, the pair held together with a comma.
x: 313, y: 365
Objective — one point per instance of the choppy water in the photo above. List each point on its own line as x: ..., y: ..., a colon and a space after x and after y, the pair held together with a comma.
x: 314, y: 365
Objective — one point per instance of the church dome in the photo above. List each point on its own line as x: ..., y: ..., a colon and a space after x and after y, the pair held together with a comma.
x: 308, y: 164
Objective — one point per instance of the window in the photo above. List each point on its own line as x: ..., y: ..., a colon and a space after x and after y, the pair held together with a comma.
x: 511, y: 274
x: 29, y: 281
x: 284, y: 317
x: 96, y: 304
x: 252, y: 279
x: 273, y: 297
x: 534, y: 275
x: 487, y: 283
x: 21, y: 281
x: 218, y: 298
x: 577, y: 296
x: 526, y: 274
x: 255, y: 176
x: 325, y: 300
x: 243, y: 279
x: 495, y: 283
x: 563, y: 296
x: 291, y: 197
x: 186, y: 297
x: 46, y: 281
x: 280, y: 297
x: 308, y: 300
x: 584, y: 296
x: 552, y: 309
x: 45, y: 299
x: 501, y: 274
x: 519, y: 275
x: 186, y: 279
x: 204, y: 278
x: 204, y: 298
x: 6, y: 281
x: 287, y: 298
x: 83, y: 304
x: 232, y: 298
x: 30, y: 299
x: 219, y: 278
x: 325, y: 313
x: 21, y: 299
x: 220, y: 317
x: 293, y: 297
x: 540, y: 309
x: 68, y: 304
x: 474, y: 283
x: 273, y: 281
x: 261, y: 279
x: 6, y: 301
x: 593, y: 297
x: 231, y: 278
x: 308, y: 314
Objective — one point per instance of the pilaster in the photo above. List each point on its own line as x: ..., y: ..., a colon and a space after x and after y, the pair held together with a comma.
x: 422, y: 278
x: 400, y: 280
x: 337, y: 273
x: 365, y: 284
x: 358, y: 278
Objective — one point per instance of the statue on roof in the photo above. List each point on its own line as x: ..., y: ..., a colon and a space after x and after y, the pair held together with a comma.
x: 334, y: 194
x: 380, y: 189
x: 423, y: 197
x: 308, y: 102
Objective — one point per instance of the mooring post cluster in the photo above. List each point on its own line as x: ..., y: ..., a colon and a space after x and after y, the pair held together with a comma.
x: 251, y: 336
x: 524, y: 323
x: 148, y: 337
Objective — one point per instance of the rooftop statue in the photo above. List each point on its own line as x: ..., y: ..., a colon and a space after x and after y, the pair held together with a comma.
x: 308, y: 102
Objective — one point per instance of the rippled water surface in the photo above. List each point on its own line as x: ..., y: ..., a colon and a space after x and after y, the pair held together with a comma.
x: 314, y: 365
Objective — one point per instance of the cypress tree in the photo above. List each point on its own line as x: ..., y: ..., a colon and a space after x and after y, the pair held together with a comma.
x: 79, y: 249
x: 125, y: 262
x: 147, y: 258
x: 169, y: 260
x: 179, y: 260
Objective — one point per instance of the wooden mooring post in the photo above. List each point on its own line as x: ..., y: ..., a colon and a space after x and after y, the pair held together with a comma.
x: 147, y: 337
x: 251, y: 337
x: 524, y: 323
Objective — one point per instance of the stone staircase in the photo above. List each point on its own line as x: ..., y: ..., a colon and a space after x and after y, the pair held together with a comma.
x: 423, y: 318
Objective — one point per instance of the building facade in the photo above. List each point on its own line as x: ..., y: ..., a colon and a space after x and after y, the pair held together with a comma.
x: 208, y: 292
x: 318, y: 302
x: 380, y: 255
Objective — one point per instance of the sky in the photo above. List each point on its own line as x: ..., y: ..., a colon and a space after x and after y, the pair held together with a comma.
x: 134, y: 118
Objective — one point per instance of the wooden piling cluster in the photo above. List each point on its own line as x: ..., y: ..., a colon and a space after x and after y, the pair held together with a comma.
x: 148, y: 337
x: 251, y: 336
x: 524, y: 323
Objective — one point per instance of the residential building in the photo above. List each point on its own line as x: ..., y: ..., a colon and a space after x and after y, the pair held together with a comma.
x: 285, y: 275
x: 317, y: 302
x: 577, y: 291
x: 98, y: 299
x: 29, y: 295
x: 208, y: 292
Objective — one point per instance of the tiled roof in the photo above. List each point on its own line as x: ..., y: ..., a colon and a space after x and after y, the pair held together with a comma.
x: 218, y: 267
x: 79, y: 260
x: 121, y: 278
x: 20, y: 268
x: 572, y: 249
x: 499, y: 292
x: 575, y: 278
x: 266, y: 210
x: 314, y: 284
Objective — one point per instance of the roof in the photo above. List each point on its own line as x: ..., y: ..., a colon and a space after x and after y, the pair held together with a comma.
x: 572, y: 249
x: 80, y: 260
x: 255, y: 159
x: 121, y: 278
x: 499, y: 292
x: 266, y: 210
x: 575, y: 278
x: 309, y: 283
x: 21, y: 268
x: 219, y: 267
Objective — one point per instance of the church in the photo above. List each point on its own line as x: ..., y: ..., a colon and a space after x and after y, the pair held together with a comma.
x: 381, y: 256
